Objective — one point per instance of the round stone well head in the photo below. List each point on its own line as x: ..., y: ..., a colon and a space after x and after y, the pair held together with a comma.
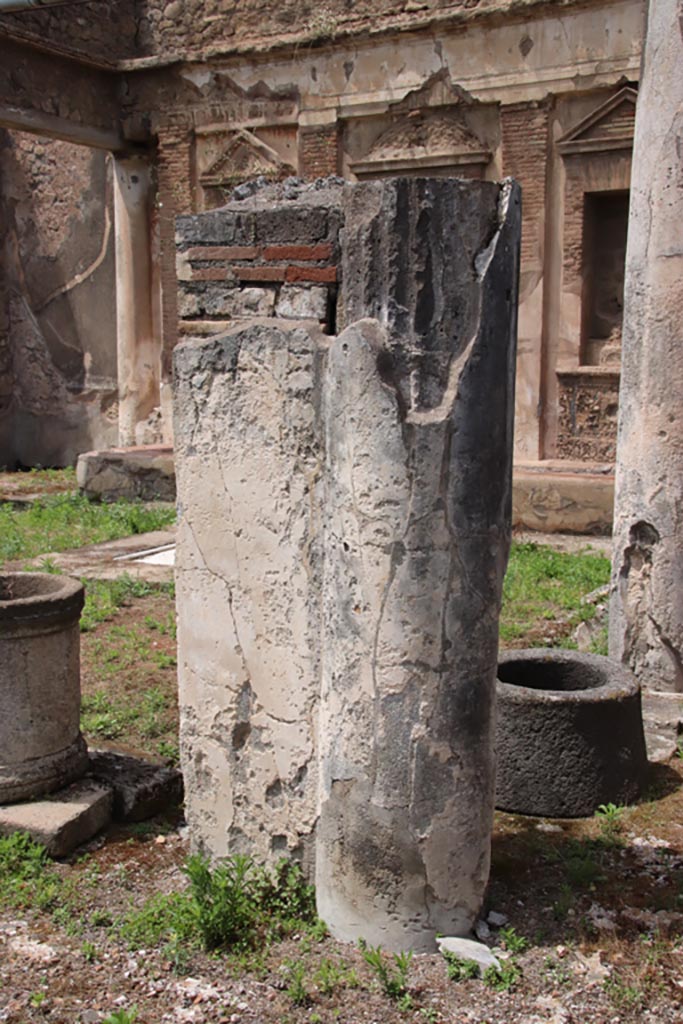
x: 41, y: 747
x: 569, y: 733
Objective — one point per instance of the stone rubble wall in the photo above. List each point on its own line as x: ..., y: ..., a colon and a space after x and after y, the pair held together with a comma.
x: 250, y: 259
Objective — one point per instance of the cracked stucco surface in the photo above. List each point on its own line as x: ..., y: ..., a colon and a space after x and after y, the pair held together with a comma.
x: 646, y: 612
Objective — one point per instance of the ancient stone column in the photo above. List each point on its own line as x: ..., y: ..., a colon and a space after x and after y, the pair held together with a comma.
x: 646, y: 612
x: 138, y: 347
x: 418, y: 410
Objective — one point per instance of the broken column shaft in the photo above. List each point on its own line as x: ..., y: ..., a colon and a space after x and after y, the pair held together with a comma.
x: 345, y: 523
x: 418, y: 418
x: 646, y: 611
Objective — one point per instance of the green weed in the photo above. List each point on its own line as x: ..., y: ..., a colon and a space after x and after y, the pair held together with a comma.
x: 393, y: 977
x: 28, y: 876
x: 122, y: 1016
x: 610, y: 817
x: 511, y: 941
x: 458, y: 968
x: 296, y: 990
x: 504, y: 977
x: 163, y: 918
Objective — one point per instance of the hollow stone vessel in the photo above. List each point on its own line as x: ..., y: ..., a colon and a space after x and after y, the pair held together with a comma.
x: 41, y: 747
x: 569, y: 733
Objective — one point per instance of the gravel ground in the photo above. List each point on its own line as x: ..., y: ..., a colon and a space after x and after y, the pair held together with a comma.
x: 601, y: 914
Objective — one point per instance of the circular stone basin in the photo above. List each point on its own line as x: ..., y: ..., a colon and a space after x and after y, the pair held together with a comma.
x: 41, y: 747
x: 569, y: 733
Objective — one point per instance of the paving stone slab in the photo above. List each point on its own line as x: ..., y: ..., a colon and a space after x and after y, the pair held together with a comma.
x: 141, y: 789
x: 64, y: 821
x: 468, y: 949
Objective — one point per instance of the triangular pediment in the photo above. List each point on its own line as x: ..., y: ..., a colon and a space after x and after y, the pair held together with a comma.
x: 609, y: 126
x: 423, y: 140
x: 245, y: 156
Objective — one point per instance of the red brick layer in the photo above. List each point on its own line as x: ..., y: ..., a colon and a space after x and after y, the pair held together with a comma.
x: 319, y: 151
x: 224, y: 252
x: 298, y: 252
x: 324, y: 274
x: 525, y: 149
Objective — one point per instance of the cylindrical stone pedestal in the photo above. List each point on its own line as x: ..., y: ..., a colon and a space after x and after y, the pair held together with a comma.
x: 646, y: 613
x: 41, y: 747
x: 417, y: 406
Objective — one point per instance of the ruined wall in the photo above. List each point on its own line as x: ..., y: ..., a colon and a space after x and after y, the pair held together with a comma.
x: 99, y: 31
x: 57, y: 260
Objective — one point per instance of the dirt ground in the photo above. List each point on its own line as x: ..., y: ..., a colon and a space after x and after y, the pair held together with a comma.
x: 595, y: 906
x: 599, y: 903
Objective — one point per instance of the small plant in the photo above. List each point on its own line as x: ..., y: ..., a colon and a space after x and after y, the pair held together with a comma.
x: 504, y: 977
x: 36, y: 999
x: 511, y: 941
x: 89, y: 951
x: 610, y: 817
x: 458, y: 968
x: 170, y: 751
x: 122, y: 1016
x: 328, y: 977
x: 393, y: 978
x: 564, y: 902
x: 296, y: 990
x: 557, y: 972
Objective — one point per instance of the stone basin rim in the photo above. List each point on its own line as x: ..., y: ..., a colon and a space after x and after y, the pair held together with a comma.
x: 609, y: 679
x: 39, y: 593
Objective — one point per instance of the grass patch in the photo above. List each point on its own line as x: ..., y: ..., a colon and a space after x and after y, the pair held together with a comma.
x: 60, y: 522
x: 543, y: 585
x: 103, y: 598
x: 29, y: 878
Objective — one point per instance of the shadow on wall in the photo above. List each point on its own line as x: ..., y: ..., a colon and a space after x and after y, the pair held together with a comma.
x: 58, y: 394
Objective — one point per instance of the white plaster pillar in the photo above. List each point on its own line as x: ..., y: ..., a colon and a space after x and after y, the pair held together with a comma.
x: 138, y: 341
x: 646, y: 612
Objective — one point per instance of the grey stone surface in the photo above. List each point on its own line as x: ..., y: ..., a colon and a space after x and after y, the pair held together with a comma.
x: 468, y: 949
x: 646, y: 614
x: 417, y: 529
x: 63, y: 822
x: 140, y: 789
x: 569, y: 733
x: 41, y: 747
x: 298, y: 303
x: 145, y: 472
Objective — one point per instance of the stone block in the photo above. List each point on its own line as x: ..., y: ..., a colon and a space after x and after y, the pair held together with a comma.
x: 140, y: 789
x: 146, y: 473
x: 556, y: 497
x: 298, y: 303
x: 64, y: 821
x: 214, y: 228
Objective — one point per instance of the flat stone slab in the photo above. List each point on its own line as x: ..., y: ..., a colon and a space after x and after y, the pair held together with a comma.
x: 557, y: 496
x: 146, y: 472
x: 140, y: 788
x: 468, y: 949
x: 112, y: 559
x: 64, y: 821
